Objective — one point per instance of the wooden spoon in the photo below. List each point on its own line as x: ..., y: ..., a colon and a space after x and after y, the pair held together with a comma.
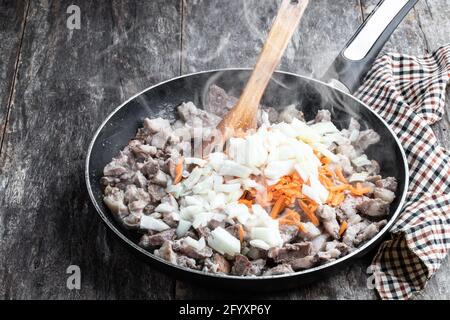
x: 243, y: 115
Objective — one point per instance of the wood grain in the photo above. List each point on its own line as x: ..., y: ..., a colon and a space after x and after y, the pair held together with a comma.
x: 12, y: 21
x: 67, y: 82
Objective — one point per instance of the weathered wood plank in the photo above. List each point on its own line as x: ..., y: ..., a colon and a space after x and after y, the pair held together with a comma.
x: 12, y: 18
x: 67, y: 82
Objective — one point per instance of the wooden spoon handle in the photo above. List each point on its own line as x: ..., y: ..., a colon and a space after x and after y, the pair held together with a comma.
x: 243, y: 115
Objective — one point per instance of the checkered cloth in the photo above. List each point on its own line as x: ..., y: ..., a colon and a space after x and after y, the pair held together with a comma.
x: 409, y: 93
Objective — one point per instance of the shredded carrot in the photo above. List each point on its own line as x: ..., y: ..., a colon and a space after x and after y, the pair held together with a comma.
x: 241, y: 233
x: 247, y: 202
x: 343, y: 227
x: 325, y: 160
x: 325, y: 181
x: 293, y: 218
x: 309, y: 213
x: 341, y: 187
x: 338, y: 198
x: 178, y: 171
x: 340, y: 175
x: 359, y: 190
x: 278, y: 207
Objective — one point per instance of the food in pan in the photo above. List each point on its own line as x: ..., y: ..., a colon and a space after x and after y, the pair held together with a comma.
x: 285, y: 197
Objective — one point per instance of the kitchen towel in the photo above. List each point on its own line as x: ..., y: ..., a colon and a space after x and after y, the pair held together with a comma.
x: 409, y: 93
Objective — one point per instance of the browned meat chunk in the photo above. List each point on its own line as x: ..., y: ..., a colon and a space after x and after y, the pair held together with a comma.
x: 384, y: 194
x: 195, y: 117
x: 329, y: 221
x: 218, y: 101
x: 194, y: 253
x: 290, y: 252
x: 366, y: 138
x: 323, y: 116
x: 348, y: 206
x: 389, y: 183
x: 279, y: 269
x: 373, y: 208
x: 303, y: 263
x: 244, y: 267
x: 166, y: 252
x: 186, y: 262
x: 157, y: 239
x: 290, y: 113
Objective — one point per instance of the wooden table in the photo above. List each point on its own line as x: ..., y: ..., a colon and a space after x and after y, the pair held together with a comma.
x: 57, y: 85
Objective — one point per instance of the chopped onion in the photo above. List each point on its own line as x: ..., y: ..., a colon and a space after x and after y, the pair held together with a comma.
x: 150, y: 223
x: 278, y: 169
x: 257, y: 243
x: 271, y: 236
x: 358, y: 177
x: 197, y: 161
x: 164, y: 208
x: 311, y: 193
x: 234, y: 169
x: 223, y: 242
x: 323, y: 128
x: 196, y: 244
x: 361, y: 161
x: 228, y: 188
x: 183, y: 227
x: 202, y: 219
x: 239, y: 211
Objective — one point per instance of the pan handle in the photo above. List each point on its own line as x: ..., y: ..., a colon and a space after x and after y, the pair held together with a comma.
x: 355, y: 60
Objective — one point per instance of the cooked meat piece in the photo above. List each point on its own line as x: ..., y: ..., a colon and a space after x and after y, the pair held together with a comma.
x: 354, y: 125
x: 132, y: 221
x: 303, y: 263
x: 160, y: 139
x: 156, y: 192
x: 279, y: 269
x: 171, y: 219
x: 389, y: 183
x: 366, y: 234
x: 114, y: 200
x: 139, y: 180
x: 137, y: 207
x: 218, y: 101
x: 169, y: 167
x: 373, y: 207
x: 195, y: 117
x: 186, y: 262
x: 114, y: 169
x: 352, y: 231
x: 241, y: 265
x: 290, y: 252
x: 348, y: 206
x: 366, y: 138
x: 234, y: 230
x: 335, y: 249
x: 111, y: 181
x: 142, y: 151
x: 160, y: 178
x: 166, y: 252
x: 203, y: 232
x: 192, y: 252
x: 132, y: 193
x: 150, y: 168
x: 288, y: 232
x: 373, y: 179
x: 323, y: 115
x: 244, y: 267
x: 272, y: 113
x: 328, y: 218
x: 156, y: 125
x: 289, y: 113
x: 223, y: 266
x: 157, y: 239
x: 213, y: 223
x: 384, y: 194
x: 256, y: 253
x: 372, y: 169
x: 348, y: 151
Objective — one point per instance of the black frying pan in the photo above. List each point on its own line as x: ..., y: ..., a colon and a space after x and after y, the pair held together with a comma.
x: 285, y: 88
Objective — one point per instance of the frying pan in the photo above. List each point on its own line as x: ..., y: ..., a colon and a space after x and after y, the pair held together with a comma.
x: 332, y: 93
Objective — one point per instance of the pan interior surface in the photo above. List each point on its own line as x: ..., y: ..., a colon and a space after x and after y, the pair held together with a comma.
x: 284, y: 89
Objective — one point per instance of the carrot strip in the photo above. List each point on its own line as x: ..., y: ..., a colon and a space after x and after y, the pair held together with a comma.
x: 340, y: 175
x: 341, y: 187
x: 343, y: 227
x: 178, y: 171
x: 359, y: 190
x: 309, y: 213
x: 241, y: 233
x: 338, y: 199
x: 278, y: 207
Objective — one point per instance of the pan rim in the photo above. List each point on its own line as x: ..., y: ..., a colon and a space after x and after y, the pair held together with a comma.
x: 309, y: 271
